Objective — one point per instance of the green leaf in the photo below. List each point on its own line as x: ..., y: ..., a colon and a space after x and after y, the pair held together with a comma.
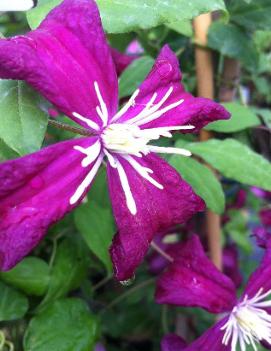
x: 6, y: 153
x: 242, y: 117
x: 134, y: 74
x: 255, y: 15
x: 235, y: 160
x: 13, y: 304
x: 98, y: 235
x: 121, y: 16
x: 182, y: 27
x: 202, y: 180
x: 232, y: 41
x: 99, y: 189
x: 23, y: 124
x: 69, y: 268
x: 66, y: 325
x: 31, y: 275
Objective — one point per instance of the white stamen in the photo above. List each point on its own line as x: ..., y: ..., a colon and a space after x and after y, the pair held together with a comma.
x: 156, y: 133
x: 126, y: 107
x: 248, y: 323
x: 148, y: 110
x: 169, y: 150
x: 102, y: 110
x: 128, y: 139
x: 91, y: 153
x: 143, y: 171
x: 159, y: 113
x: 90, y: 123
x: 110, y: 158
x: 126, y: 188
x: 87, y: 181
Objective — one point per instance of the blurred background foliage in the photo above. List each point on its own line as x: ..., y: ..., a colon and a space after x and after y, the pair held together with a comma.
x: 63, y: 297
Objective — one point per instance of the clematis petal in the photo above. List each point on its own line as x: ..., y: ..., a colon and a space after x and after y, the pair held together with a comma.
x: 211, y: 340
x: 164, y: 84
x: 121, y: 60
x: 156, y: 210
x: 63, y: 58
x: 172, y: 342
x: 35, y: 192
x: 261, y: 278
x: 265, y: 216
x: 193, y: 280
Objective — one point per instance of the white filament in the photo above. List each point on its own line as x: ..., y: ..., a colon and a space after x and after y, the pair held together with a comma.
x: 102, y: 109
x: 248, y: 323
x: 126, y: 107
x: 143, y: 171
x: 87, y: 181
x: 130, y: 201
x: 89, y: 122
x: 92, y: 152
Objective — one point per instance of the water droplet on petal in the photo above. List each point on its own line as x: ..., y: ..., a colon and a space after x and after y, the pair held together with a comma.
x: 164, y: 69
x: 128, y: 282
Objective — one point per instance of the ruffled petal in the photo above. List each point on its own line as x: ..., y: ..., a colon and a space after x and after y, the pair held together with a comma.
x: 172, y: 342
x: 166, y: 76
x: 192, y: 280
x: 157, y: 210
x: 63, y: 58
x: 35, y: 192
x: 261, y: 278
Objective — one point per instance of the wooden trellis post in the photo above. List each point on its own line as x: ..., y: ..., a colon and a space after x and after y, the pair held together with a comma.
x: 205, y: 84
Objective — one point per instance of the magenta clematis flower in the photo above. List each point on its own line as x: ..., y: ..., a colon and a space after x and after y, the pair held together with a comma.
x: 170, y: 244
x: 68, y: 60
x: 193, y: 281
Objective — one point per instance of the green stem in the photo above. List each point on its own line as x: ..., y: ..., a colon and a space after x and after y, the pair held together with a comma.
x: 102, y: 282
x: 128, y: 293
x: 63, y: 126
x: 2, y: 340
x: 165, y: 319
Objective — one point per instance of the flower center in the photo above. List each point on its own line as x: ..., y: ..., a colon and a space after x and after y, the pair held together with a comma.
x: 125, y: 139
x: 123, y: 142
x: 248, y: 323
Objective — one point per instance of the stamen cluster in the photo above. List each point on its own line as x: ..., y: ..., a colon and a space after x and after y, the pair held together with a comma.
x: 127, y: 140
x: 248, y: 323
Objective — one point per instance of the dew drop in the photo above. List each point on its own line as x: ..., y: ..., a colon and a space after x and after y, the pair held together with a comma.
x: 128, y: 282
x: 164, y: 69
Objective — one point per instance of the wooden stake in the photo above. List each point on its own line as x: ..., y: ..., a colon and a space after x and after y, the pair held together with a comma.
x: 205, y: 83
